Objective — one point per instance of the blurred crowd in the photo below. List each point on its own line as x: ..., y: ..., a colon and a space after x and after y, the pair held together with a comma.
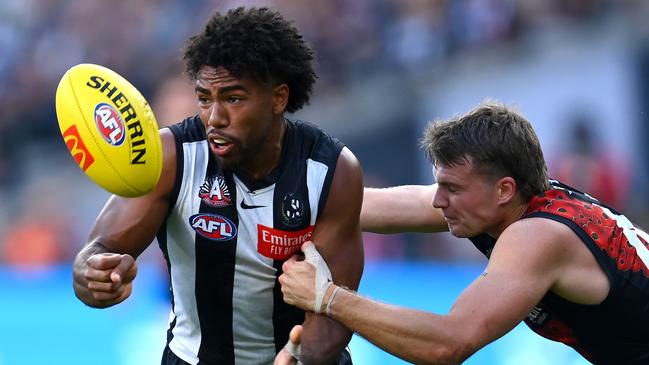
x: 142, y: 39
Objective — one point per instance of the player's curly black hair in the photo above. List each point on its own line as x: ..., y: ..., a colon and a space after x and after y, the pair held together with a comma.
x: 257, y: 43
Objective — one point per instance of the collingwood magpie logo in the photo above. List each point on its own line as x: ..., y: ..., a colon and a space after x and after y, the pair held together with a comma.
x: 293, y: 210
x: 214, y: 191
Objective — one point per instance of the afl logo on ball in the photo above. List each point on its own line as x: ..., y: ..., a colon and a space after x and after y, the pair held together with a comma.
x: 213, y: 227
x: 110, y: 124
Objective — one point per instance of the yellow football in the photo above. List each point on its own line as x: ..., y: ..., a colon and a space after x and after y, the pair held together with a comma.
x: 109, y: 129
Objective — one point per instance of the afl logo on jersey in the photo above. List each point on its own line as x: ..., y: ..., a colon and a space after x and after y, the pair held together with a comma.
x: 110, y: 124
x: 213, y: 226
x: 293, y: 210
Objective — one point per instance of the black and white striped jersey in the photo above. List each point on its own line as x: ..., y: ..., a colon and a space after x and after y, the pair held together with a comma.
x: 225, y: 239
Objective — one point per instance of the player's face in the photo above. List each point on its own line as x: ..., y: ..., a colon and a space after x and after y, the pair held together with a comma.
x: 241, y: 117
x: 468, y: 199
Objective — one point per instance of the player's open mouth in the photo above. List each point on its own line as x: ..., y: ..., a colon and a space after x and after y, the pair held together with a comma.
x: 220, y: 146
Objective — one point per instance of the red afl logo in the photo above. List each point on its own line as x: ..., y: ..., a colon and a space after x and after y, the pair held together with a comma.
x: 213, y: 226
x: 110, y: 124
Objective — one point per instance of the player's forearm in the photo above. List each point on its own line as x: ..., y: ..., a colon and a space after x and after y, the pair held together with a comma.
x: 413, y: 335
x: 323, y: 340
x: 400, y: 209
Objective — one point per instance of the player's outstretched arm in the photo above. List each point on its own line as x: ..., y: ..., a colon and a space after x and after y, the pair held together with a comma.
x: 104, y: 269
x: 400, y: 209
x: 526, y: 263
x: 338, y: 237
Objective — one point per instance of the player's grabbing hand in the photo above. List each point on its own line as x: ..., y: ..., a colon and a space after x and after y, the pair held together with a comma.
x: 307, y: 284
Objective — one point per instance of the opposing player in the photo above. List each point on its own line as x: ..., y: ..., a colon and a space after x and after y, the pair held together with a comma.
x: 242, y: 188
x: 573, y: 269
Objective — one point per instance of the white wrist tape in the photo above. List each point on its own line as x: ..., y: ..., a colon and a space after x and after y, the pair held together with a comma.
x: 322, y: 275
x: 293, y: 349
x: 331, y: 299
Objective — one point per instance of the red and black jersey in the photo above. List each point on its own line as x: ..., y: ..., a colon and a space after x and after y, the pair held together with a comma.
x: 615, y: 331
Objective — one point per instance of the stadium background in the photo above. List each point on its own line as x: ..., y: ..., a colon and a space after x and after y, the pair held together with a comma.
x: 578, y: 69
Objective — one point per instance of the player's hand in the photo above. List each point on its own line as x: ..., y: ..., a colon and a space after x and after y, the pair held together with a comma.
x: 305, y: 283
x: 290, y: 354
x: 109, y: 278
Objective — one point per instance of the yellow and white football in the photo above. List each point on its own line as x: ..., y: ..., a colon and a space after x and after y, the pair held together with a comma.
x: 109, y: 129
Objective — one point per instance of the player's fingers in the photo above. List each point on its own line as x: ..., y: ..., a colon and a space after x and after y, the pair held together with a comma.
x: 310, y: 251
x: 106, y: 287
x: 104, y: 261
x: 131, y: 272
x: 125, y: 271
x: 103, y: 296
x: 284, y: 358
x: 107, y: 299
x: 91, y: 274
x: 288, y: 263
x: 296, y: 334
x: 293, y: 344
x: 295, y: 258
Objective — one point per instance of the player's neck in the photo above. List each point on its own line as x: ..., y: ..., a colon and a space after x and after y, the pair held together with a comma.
x: 269, y: 154
x: 511, y: 214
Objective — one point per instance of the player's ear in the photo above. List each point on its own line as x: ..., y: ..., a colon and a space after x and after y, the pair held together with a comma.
x: 506, y: 187
x: 280, y: 98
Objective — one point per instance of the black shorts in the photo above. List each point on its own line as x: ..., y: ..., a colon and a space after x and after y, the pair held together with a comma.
x: 169, y: 358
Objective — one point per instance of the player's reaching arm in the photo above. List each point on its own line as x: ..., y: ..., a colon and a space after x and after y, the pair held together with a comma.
x: 529, y: 259
x: 104, y: 269
x: 406, y: 208
x: 338, y: 237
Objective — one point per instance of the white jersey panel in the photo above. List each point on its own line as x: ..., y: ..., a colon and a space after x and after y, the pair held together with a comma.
x: 254, y: 278
x: 315, y: 178
x: 182, y: 254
